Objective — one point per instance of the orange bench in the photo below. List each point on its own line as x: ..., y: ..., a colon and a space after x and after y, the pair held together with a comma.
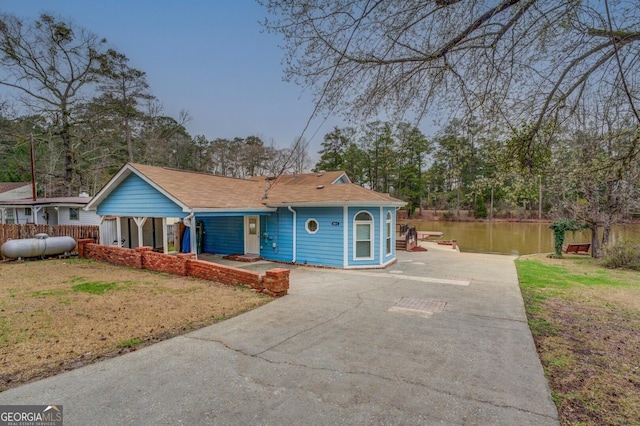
x: 582, y: 248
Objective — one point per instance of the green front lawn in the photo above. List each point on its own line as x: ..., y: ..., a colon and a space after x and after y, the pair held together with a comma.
x: 585, y: 321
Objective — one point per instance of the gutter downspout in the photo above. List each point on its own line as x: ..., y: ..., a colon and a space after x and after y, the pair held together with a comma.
x: 295, y: 248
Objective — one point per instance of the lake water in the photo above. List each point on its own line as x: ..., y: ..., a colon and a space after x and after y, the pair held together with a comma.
x: 515, y: 238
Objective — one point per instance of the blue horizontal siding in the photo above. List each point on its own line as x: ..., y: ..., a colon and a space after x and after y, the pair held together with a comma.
x: 223, y: 235
x: 278, y: 228
x: 325, y: 246
x: 135, y: 197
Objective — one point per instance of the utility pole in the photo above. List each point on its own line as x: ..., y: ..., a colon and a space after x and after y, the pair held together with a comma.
x: 33, y: 169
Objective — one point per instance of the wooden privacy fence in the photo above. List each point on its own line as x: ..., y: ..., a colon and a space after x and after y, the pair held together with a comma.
x: 78, y: 232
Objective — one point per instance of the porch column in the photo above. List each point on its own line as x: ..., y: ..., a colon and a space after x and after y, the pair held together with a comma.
x: 119, y: 232
x: 34, y: 211
x: 140, y: 221
x: 165, y: 243
x: 193, y: 238
x: 1, y: 215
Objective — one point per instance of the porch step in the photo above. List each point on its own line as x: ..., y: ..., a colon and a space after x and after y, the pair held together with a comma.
x: 402, y: 245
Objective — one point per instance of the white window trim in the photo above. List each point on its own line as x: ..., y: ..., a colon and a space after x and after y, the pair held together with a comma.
x: 371, y: 234
x: 388, y: 250
x: 306, y: 225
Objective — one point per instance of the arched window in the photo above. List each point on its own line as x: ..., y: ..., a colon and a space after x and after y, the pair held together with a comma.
x: 363, y: 231
x: 388, y: 234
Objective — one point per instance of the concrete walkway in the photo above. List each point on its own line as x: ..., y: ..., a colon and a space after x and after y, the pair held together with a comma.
x: 438, y: 338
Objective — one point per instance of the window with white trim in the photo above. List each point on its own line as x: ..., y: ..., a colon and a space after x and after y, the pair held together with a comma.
x: 27, y: 211
x: 312, y: 225
x: 9, y: 217
x: 388, y: 233
x: 74, y: 213
x: 363, y: 231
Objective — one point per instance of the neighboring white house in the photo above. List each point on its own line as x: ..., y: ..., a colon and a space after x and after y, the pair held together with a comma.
x: 14, y: 190
x: 48, y: 211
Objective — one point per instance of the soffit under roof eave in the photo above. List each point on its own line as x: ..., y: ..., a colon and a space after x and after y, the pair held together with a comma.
x: 340, y: 204
x: 232, y: 210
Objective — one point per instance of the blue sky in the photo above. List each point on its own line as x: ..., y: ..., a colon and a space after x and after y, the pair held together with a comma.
x: 207, y: 57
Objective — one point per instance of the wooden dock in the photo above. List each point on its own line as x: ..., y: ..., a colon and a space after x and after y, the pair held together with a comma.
x: 425, y: 235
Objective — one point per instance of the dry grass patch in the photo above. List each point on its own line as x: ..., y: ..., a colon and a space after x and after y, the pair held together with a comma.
x: 57, y: 315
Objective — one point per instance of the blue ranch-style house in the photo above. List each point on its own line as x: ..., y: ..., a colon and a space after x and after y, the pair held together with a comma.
x: 315, y: 218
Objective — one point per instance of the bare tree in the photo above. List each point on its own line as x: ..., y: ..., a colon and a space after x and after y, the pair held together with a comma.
x: 300, y: 161
x: 513, y: 61
x: 50, y: 62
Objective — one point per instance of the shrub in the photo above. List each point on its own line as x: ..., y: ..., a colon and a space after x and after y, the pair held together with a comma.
x: 480, y: 209
x: 625, y: 254
x: 448, y: 215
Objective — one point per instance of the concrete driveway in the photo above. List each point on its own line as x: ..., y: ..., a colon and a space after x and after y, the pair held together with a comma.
x: 439, y: 338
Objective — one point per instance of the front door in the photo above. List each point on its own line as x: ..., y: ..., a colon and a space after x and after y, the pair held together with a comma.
x: 252, y: 235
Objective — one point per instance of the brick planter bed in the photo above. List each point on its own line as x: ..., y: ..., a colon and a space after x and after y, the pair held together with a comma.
x: 274, y: 282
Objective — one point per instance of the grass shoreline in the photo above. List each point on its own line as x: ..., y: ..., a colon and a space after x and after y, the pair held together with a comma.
x: 585, y: 321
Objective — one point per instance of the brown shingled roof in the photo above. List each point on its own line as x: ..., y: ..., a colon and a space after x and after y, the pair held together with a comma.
x: 80, y: 201
x: 315, y: 188
x: 205, y: 191
x: 9, y: 186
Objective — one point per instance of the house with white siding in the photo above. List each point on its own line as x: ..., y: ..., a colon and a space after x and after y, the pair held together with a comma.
x: 48, y: 211
x: 315, y: 218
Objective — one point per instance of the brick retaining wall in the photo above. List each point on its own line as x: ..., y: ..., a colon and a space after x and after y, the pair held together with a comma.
x: 274, y: 282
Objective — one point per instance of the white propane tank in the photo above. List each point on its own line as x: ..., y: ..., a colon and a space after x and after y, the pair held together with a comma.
x: 40, y: 245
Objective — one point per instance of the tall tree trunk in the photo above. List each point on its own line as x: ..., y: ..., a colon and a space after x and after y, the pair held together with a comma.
x: 606, y: 232
x: 435, y: 203
x: 68, y: 154
x: 458, y: 201
x: 127, y: 135
x: 491, y: 207
x: 595, y: 243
